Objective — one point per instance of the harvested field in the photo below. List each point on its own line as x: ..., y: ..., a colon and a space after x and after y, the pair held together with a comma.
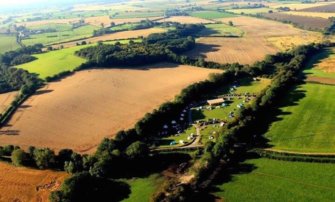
x: 231, y: 50
x: 90, y: 105
x: 323, y: 8
x: 96, y: 21
x: 254, y: 44
x: 186, y: 20
x: 28, y: 185
x: 114, y: 36
x: 310, y: 23
x: 301, y: 6
x: 6, y: 99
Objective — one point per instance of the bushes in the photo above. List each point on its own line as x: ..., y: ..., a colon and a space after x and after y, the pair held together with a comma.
x: 44, y: 158
x: 19, y: 157
x: 84, y: 187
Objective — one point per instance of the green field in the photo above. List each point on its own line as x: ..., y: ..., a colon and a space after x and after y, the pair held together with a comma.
x: 273, y: 180
x: 142, y: 188
x: 221, y: 30
x: 8, y: 43
x: 54, y: 62
x: 61, y: 36
x: 307, y: 120
x: 211, y: 14
x: 321, y: 60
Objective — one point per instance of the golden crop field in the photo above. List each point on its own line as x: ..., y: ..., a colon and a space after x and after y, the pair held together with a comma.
x: 79, y: 111
x: 19, y: 184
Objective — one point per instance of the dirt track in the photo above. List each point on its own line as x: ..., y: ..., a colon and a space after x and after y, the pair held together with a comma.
x: 82, y: 109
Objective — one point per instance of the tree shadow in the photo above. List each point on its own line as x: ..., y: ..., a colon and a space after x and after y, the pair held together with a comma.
x: 41, y: 92
x: 202, y: 49
x: 318, y: 58
x: 154, y: 164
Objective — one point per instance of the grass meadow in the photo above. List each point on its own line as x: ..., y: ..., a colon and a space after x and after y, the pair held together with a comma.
x: 54, y: 62
x: 306, y: 121
x: 209, y: 15
x: 60, y: 36
x: 251, y: 11
x: 273, y: 180
x: 8, y: 43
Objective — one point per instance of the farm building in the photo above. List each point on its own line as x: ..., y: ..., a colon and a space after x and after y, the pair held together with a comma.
x: 215, y: 101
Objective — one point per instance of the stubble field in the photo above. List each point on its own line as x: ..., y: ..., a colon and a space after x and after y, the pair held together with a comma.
x: 28, y: 185
x: 82, y: 109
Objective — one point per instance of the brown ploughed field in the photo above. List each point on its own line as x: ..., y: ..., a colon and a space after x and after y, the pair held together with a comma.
x: 82, y: 109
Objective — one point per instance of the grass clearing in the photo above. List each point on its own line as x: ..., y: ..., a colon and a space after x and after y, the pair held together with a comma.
x: 306, y: 122
x: 272, y: 180
x: 84, y: 108
x: 143, y: 188
x: 8, y: 43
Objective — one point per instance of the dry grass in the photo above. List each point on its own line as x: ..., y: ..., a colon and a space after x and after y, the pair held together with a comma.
x: 82, y: 109
x: 253, y: 46
x: 186, y: 20
x: 6, y: 99
x: 20, y: 184
x: 114, y: 36
x: 289, y: 42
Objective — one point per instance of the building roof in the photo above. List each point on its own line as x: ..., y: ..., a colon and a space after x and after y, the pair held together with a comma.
x: 215, y: 101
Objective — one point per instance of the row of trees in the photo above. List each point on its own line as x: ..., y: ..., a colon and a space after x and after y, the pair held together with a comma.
x: 21, y: 55
x: 155, y: 48
x: 239, y: 136
x: 143, y: 24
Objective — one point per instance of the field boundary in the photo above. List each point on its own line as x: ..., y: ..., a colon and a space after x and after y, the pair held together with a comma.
x: 296, y: 156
